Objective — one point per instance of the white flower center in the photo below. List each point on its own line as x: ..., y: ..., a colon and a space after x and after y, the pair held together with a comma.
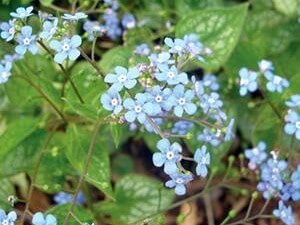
x: 244, y: 81
x: 181, y: 101
x: 121, y: 78
x: 4, y: 222
x: 298, y: 124
x: 11, y: 30
x: 219, y: 132
x: 138, y: 109
x: 211, y: 100
x: 170, y: 155
x: 255, y: 151
x: 66, y: 47
x: 277, y: 80
x: 171, y: 75
x: 26, y: 41
x: 179, y: 181
x: 114, y: 102
x: 178, y: 47
x: 158, y: 98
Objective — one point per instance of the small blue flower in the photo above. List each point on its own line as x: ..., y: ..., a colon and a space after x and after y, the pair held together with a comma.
x: 22, y: 12
x: 193, y: 46
x: 112, y: 3
x: 74, y: 17
x: 229, y: 130
x: 171, y: 75
x: 182, y: 127
x: 111, y: 100
x: 161, y: 58
x: 292, y: 126
x: 122, y: 78
x: 112, y: 24
x: 149, y: 127
x: 168, y: 156
x: 294, y: 101
x: 182, y: 101
x: 295, y: 178
x: 179, y: 180
x: 210, y: 137
x: 138, y: 108
x: 275, y: 82
x: 40, y: 219
x: 128, y: 21
x: 64, y: 197
x: 265, y: 65
x: 66, y: 48
x: 8, y: 30
x: 267, y: 189
x: 26, y: 41
x: 5, y: 72
x: 8, y: 219
x: 202, y: 158
x: 290, y: 192
x: 248, y: 81
x: 142, y: 49
x: 284, y: 213
x: 210, y: 81
x: 210, y: 101
x: 94, y: 29
x: 176, y: 47
x: 46, y: 16
x: 160, y: 99
x: 257, y: 155
x: 49, y: 29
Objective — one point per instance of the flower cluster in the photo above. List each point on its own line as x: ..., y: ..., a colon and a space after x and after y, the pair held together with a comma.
x: 249, y: 80
x: 276, y: 180
x: 292, y: 119
x: 170, y: 98
x: 63, y: 198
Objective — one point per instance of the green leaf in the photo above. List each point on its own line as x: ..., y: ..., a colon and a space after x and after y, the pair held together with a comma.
x: 60, y: 212
x: 85, y: 110
x: 287, y: 7
x: 15, y: 133
x: 6, y: 190
x: 137, y: 36
x: 218, y: 29
x: 99, y: 168
x: 46, y: 2
x: 117, y: 133
x: 136, y: 198
x: 118, y: 56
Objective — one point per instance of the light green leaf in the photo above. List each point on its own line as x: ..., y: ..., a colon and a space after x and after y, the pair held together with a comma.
x: 6, y: 190
x: 118, y: 56
x: 60, y: 212
x: 136, y: 198
x: 287, y: 7
x: 218, y: 29
x: 99, y: 168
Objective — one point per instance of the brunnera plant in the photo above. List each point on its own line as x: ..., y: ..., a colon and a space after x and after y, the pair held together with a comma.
x: 83, y: 82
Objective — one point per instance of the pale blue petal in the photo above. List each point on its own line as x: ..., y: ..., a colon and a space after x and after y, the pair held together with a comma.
x: 20, y: 49
x: 129, y: 103
x: 201, y: 170
x: 158, y: 159
x: 163, y: 145
x: 130, y: 83
x: 290, y: 128
x: 60, y: 57
x: 190, y: 108
x: 178, y: 110
x: 74, y: 54
x: 180, y: 189
x: 111, y: 78
x: 75, y: 41
x: 130, y: 116
x: 170, y: 167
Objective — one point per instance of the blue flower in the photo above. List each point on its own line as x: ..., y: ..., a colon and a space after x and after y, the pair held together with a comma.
x: 210, y: 81
x: 161, y: 58
x: 160, y: 99
x: 295, y: 178
x: 111, y: 100
x: 46, y: 16
x: 267, y: 189
x: 176, y: 47
x: 284, y: 213
x: 179, y: 180
x: 22, y: 12
x: 182, y: 127
x: 5, y: 72
x: 290, y: 192
x: 142, y: 49
x: 248, y: 81
x: 294, y: 101
x: 40, y: 219
x: 257, y: 155
x: 210, y: 101
x: 138, y: 108
x: 168, y: 156
x: 171, y: 75
x: 229, y: 130
x: 275, y: 82
x: 265, y: 65
x: 112, y: 24
x: 149, y: 127
x: 49, y: 29
x: 128, y: 21
x: 8, y: 30
x: 26, y: 41
x: 112, y: 3
x: 66, y: 48
x: 94, y: 29
x: 182, y: 101
x: 193, y: 47
x: 122, y: 78
x: 292, y: 125
x: 210, y: 137
x: 8, y: 219
x: 202, y: 158
x: 64, y: 197
x: 74, y: 17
